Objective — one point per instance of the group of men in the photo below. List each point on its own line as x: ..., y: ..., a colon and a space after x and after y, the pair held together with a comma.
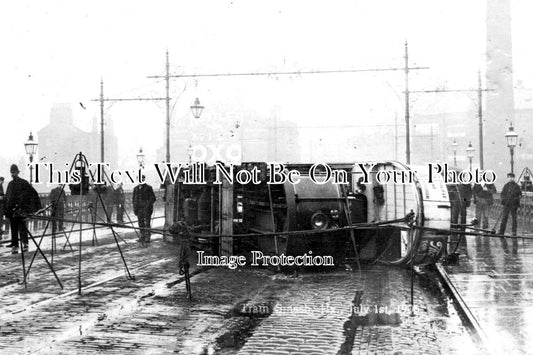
x: 482, y: 195
x: 21, y: 199
x: 143, y: 205
x: 110, y: 198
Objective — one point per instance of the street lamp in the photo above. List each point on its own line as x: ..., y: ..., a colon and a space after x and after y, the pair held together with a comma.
x: 190, y: 150
x: 512, y: 138
x: 140, y: 157
x: 454, y: 147
x: 31, y: 149
x: 196, y: 108
x: 470, y: 153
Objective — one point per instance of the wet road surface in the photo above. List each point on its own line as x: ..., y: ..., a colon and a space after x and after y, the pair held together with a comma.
x: 496, y: 283
x: 243, y: 311
x: 495, y: 279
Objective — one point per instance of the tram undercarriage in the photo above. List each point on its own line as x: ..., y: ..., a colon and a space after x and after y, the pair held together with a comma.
x: 350, y: 222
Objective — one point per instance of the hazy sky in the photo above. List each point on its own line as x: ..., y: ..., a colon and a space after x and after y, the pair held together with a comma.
x: 57, y: 51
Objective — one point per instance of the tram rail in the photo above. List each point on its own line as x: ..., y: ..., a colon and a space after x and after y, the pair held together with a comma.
x: 401, y: 223
x: 467, y: 315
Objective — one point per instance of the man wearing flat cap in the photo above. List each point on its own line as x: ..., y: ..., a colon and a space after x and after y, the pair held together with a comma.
x: 510, y: 197
x: 21, y: 199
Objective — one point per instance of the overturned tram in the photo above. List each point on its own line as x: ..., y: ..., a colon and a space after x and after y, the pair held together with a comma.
x: 359, y: 218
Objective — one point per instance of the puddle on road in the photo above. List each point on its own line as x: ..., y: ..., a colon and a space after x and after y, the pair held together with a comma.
x: 235, y: 338
x: 356, y: 321
x: 243, y: 318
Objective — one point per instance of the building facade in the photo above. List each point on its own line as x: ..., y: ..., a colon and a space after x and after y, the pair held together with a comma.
x: 61, y: 140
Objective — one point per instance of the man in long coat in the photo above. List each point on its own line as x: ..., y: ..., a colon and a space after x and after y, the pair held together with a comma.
x: 21, y: 199
x: 510, y: 196
x: 119, y: 203
x: 2, y: 200
x: 143, y: 205
x: 483, y: 198
x: 58, y: 200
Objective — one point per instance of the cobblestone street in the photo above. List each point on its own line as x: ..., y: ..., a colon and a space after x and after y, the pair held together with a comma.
x: 243, y: 311
x: 314, y: 316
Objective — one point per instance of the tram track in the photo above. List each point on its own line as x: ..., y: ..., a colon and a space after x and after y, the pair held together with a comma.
x: 113, y: 312
x: 155, y: 271
x: 466, y: 314
x: 87, y: 287
x: 97, y: 269
x: 64, y: 259
x: 138, y: 267
x: 8, y: 266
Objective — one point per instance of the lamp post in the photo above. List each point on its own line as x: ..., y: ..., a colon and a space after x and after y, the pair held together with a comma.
x: 140, y: 157
x: 196, y: 108
x: 470, y: 153
x: 454, y: 147
x: 31, y: 149
x: 512, y: 138
x: 190, y: 150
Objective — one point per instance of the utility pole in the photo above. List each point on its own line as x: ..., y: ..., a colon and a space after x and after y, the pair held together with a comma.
x: 480, y: 116
x: 396, y: 135
x: 431, y: 141
x: 407, y: 128
x: 102, y: 101
x: 479, y: 91
x: 406, y: 69
x: 102, y: 120
x: 167, y: 100
x: 275, y: 137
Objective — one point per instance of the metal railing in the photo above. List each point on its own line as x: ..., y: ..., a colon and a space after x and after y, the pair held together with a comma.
x: 524, y: 214
x: 87, y: 214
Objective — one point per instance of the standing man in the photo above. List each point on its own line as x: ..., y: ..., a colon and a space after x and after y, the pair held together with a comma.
x: 483, y: 199
x: 510, y: 197
x: 143, y: 205
x: 119, y: 202
x: 92, y: 202
x: 465, y: 195
x: 21, y: 198
x: 108, y: 198
x: 2, y: 196
x: 57, y: 199
x: 455, y: 202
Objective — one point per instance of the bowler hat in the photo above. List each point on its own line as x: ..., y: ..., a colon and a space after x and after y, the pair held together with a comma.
x: 510, y: 175
x: 14, y: 168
